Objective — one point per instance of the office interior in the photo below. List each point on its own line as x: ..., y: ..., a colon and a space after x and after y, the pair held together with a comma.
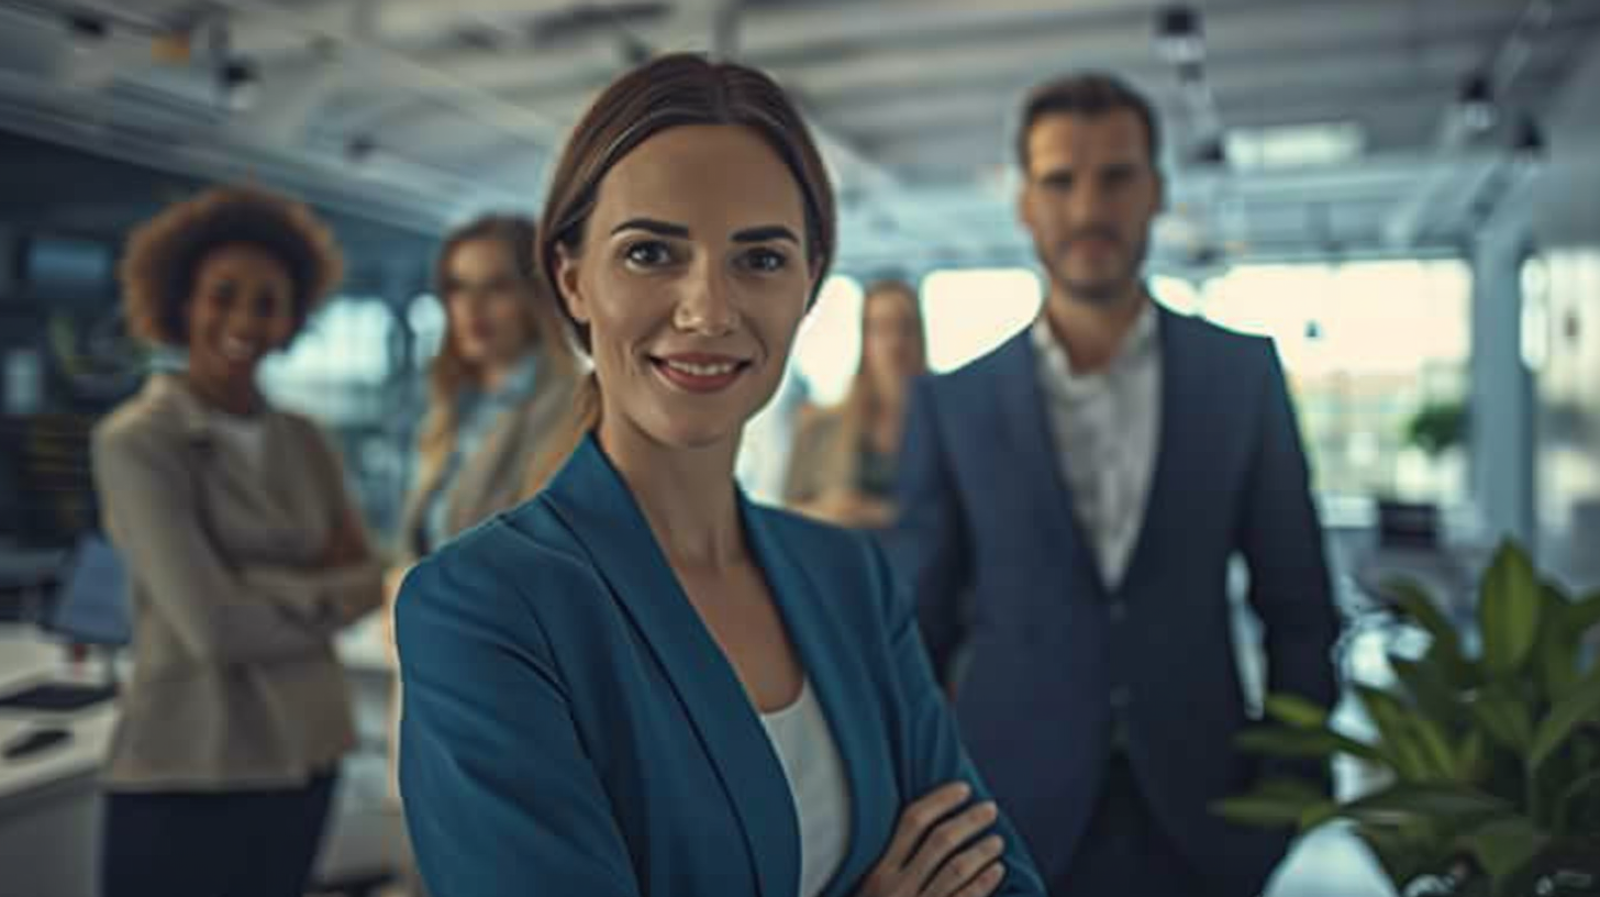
x: 1403, y: 194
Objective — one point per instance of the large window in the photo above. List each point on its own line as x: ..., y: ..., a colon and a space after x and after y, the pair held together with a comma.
x: 339, y: 366
x: 1366, y: 346
x: 971, y: 312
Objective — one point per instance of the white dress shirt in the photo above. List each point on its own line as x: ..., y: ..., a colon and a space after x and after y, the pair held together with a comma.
x: 1105, y: 425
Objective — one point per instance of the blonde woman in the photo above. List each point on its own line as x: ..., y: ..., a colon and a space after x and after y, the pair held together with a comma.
x: 502, y: 380
x: 843, y: 464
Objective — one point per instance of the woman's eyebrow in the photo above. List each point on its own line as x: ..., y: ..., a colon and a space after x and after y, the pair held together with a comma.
x: 763, y: 234
x: 661, y: 228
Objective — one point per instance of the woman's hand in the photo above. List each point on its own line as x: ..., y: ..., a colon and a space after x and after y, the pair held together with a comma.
x: 848, y: 507
x: 932, y: 853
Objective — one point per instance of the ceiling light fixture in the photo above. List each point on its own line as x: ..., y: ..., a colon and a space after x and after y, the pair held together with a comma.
x: 1211, y: 152
x: 359, y: 150
x: 1528, y: 148
x: 1476, y: 102
x: 1179, y: 37
x: 86, y: 31
x: 238, y: 83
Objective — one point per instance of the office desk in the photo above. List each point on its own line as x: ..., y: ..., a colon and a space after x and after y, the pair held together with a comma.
x: 48, y: 806
x: 49, y: 802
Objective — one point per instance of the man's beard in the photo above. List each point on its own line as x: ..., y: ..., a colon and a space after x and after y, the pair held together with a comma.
x: 1105, y: 291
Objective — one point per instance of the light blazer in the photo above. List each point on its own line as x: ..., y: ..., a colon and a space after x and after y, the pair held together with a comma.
x: 235, y: 683
x: 492, y: 480
x: 570, y: 726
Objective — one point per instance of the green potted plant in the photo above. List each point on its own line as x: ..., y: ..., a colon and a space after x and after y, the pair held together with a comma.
x: 1438, y: 427
x: 1490, y: 758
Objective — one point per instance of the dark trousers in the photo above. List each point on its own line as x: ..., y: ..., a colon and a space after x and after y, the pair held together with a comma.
x: 213, y: 844
x: 1126, y: 852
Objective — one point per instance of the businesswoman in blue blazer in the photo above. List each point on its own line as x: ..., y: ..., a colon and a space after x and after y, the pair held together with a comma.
x: 639, y: 683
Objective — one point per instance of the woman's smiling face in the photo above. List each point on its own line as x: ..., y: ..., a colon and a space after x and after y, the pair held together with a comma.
x: 692, y: 281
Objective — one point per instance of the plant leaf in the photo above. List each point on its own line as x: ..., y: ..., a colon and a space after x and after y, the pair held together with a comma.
x: 1508, y: 610
x: 1274, y: 803
x: 1449, y: 804
x: 1318, y: 814
x: 1397, y: 731
x: 1504, y: 717
x: 1470, y: 757
x: 1297, y: 712
x: 1412, y: 600
x: 1575, y: 791
x: 1504, y: 846
x: 1276, y: 741
x: 1582, y: 704
x: 1429, y: 688
x: 1583, y: 614
x: 1403, y: 851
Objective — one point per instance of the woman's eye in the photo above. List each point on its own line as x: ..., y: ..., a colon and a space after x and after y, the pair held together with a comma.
x: 648, y: 254
x: 767, y: 260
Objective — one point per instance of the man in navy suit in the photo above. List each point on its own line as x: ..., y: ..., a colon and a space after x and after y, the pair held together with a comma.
x: 1070, y: 504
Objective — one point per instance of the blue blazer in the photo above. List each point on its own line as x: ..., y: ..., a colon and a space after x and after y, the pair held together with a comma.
x: 571, y: 728
x: 989, y: 543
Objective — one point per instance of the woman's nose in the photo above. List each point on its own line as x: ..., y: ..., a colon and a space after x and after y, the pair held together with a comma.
x: 705, y: 305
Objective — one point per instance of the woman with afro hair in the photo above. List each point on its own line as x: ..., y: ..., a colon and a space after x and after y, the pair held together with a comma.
x: 245, y: 557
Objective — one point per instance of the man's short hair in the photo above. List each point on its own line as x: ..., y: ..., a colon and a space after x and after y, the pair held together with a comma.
x: 1088, y: 94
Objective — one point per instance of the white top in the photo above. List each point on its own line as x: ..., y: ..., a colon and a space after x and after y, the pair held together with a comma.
x: 804, y: 743
x: 1105, y: 426
x: 246, y: 435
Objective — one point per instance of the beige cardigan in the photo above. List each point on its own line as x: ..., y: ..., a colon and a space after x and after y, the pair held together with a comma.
x: 235, y: 682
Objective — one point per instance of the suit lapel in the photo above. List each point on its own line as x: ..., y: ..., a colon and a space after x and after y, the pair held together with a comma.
x: 1181, y: 418
x: 1035, y: 458
x: 592, y: 500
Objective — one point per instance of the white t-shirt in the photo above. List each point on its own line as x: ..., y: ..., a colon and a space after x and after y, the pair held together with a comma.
x: 804, y: 743
x: 246, y: 435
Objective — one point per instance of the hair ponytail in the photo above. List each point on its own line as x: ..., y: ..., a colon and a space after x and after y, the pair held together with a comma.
x: 582, y: 417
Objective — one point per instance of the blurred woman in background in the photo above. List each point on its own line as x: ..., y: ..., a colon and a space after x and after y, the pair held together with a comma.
x: 502, y: 380
x: 245, y: 555
x: 843, y: 463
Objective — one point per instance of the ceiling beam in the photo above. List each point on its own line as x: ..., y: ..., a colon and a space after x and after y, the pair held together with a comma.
x: 1411, y: 213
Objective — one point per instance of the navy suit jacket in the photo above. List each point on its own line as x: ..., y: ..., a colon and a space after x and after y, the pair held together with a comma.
x: 989, y: 542
x: 571, y: 728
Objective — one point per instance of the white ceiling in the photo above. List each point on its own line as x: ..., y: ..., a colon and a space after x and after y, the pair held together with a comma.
x: 465, y: 101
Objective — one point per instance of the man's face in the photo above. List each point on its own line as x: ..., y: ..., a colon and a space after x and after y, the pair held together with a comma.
x: 1091, y: 192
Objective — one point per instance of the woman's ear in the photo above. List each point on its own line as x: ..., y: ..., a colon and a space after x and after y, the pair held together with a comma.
x: 568, y: 282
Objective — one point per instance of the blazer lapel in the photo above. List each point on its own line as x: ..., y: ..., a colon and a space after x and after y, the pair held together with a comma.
x: 831, y: 664
x: 215, y: 460
x: 591, y: 499
x: 1035, y: 458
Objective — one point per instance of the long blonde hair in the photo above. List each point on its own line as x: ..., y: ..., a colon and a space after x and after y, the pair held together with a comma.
x: 673, y: 90
x: 862, y: 403
x: 449, y: 370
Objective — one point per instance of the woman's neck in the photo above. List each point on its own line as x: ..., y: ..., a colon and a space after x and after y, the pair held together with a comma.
x: 687, y: 495
x: 493, y: 375
x: 238, y: 399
